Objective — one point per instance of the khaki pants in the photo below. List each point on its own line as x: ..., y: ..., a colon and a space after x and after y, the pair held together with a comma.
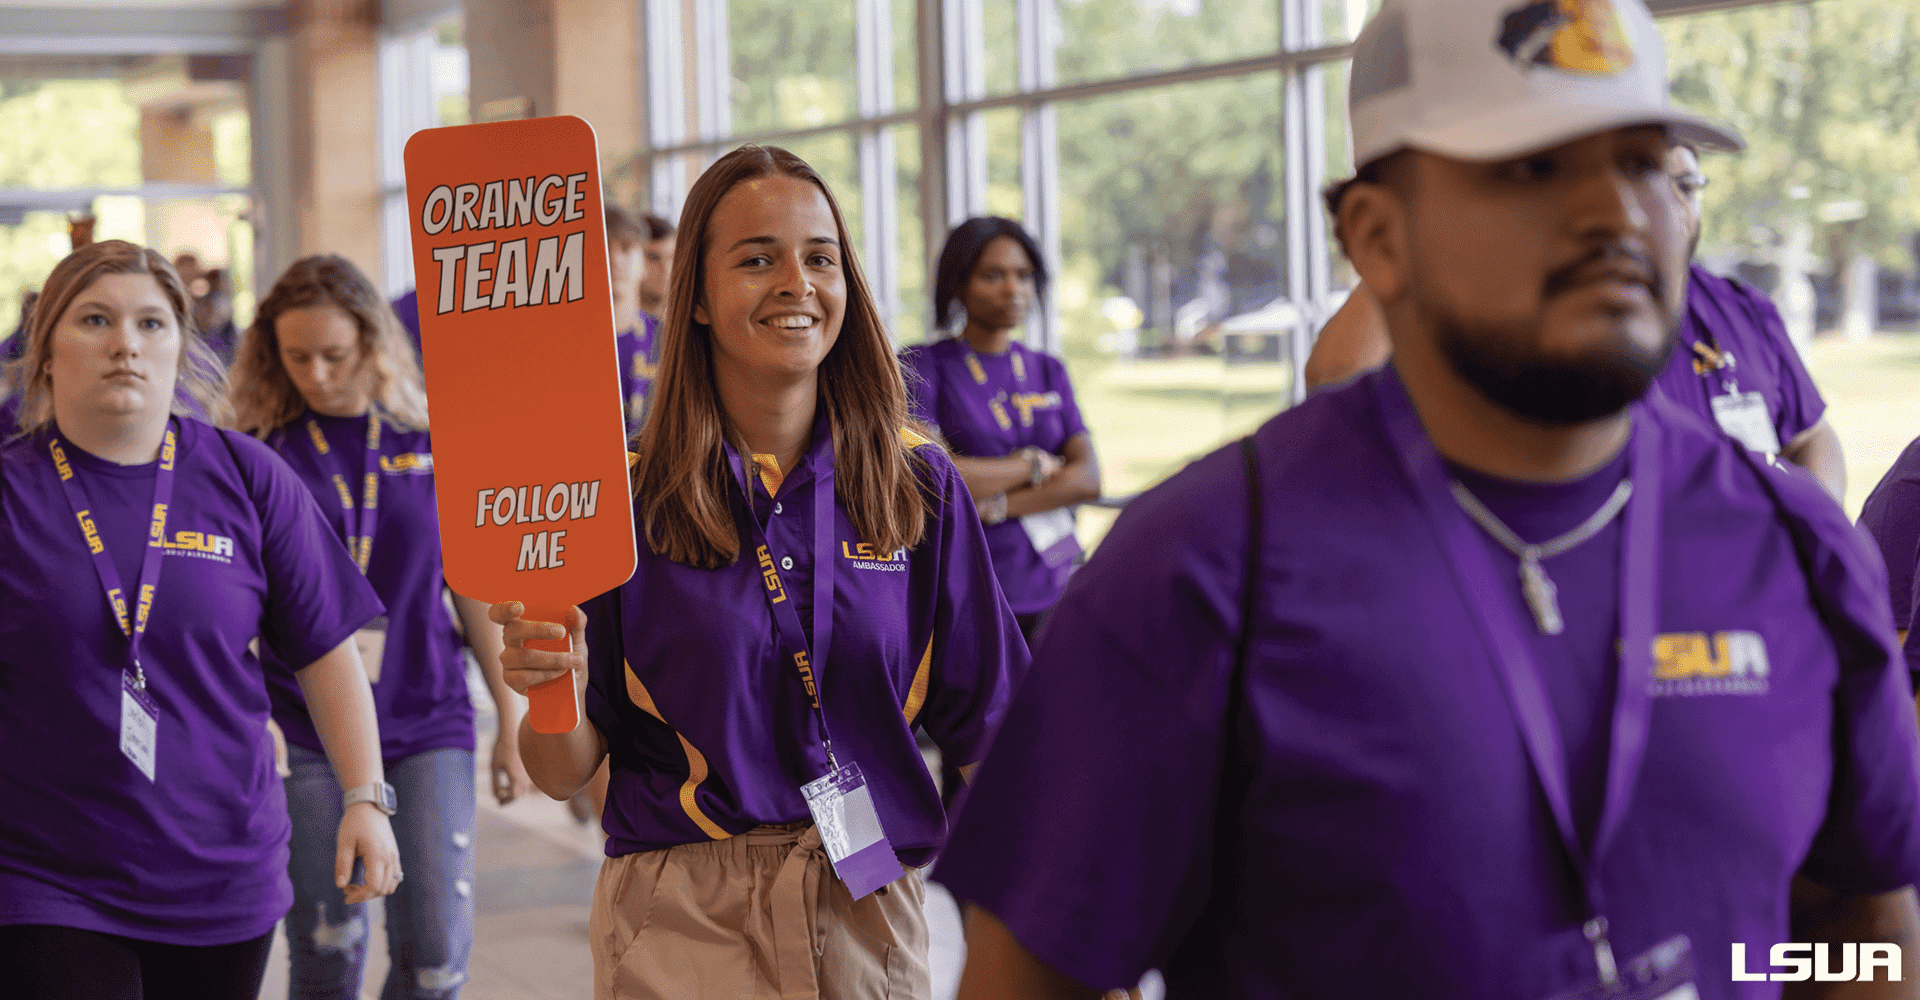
x: 759, y: 916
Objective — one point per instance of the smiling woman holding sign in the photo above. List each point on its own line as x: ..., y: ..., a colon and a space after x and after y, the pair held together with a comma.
x: 814, y: 584
x: 328, y: 380
x: 144, y: 846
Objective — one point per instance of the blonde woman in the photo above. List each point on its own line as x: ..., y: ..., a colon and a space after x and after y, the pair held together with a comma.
x: 328, y: 380
x: 143, y: 849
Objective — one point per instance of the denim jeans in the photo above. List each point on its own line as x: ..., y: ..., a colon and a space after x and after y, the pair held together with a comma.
x: 429, y: 918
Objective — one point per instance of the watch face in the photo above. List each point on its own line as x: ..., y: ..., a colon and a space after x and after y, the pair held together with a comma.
x: 388, y: 800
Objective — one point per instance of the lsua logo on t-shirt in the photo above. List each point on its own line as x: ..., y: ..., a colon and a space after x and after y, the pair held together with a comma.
x: 864, y: 556
x: 201, y: 545
x: 1701, y: 663
x: 415, y: 463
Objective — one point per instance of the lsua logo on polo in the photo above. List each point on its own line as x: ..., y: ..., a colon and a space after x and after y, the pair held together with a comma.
x: 1815, y: 961
x: 1702, y: 663
x: 539, y: 502
x: 1573, y: 36
x: 865, y: 556
x: 551, y: 271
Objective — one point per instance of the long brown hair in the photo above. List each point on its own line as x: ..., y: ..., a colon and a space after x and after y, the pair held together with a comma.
x: 200, y: 375
x: 264, y: 396
x: 682, y: 478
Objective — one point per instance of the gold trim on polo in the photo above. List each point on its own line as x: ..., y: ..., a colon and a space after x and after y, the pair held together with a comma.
x: 917, y: 694
x: 697, y: 769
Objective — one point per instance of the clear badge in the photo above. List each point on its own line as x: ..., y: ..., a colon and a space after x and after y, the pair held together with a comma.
x: 842, y: 807
x: 371, y: 641
x: 139, y: 725
x: 1052, y: 535
x: 1664, y: 972
x: 1743, y: 416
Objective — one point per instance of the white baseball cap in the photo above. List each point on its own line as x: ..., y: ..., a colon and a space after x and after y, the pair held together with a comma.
x: 1482, y: 80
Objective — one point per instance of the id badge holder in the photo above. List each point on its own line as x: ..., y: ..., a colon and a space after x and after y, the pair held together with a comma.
x: 139, y: 724
x: 1743, y: 416
x: 1664, y: 972
x: 842, y: 807
x: 371, y: 641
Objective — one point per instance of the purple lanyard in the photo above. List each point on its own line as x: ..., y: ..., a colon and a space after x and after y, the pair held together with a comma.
x: 362, y: 519
x: 808, y: 658
x: 1499, y: 618
x: 991, y: 419
x: 150, y: 563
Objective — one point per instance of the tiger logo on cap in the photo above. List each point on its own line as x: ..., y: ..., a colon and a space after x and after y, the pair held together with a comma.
x: 1574, y: 36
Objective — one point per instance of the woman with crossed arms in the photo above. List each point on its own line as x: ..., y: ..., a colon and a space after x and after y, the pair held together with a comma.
x: 1007, y: 411
x: 143, y: 852
x: 328, y: 380
x: 812, y: 585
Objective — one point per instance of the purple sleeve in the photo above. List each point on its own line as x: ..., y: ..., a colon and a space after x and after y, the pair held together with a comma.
x: 978, y: 651
x: 1892, y: 516
x: 917, y: 366
x: 316, y: 596
x: 604, y: 659
x: 1870, y: 841
x: 1090, y: 829
x: 1069, y: 408
x: 1801, y: 405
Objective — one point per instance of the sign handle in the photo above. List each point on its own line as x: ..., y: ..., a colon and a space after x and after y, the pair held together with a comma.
x: 552, y: 706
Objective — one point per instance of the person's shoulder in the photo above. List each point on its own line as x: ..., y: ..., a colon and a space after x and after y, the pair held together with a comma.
x: 1713, y: 474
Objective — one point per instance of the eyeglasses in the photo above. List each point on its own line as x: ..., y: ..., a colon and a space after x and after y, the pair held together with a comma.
x: 1691, y: 184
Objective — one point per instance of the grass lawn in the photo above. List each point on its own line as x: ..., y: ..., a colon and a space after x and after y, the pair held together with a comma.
x: 1151, y: 417
x: 1872, y: 389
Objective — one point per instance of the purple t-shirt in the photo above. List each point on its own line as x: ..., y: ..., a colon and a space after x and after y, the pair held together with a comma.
x: 639, y: 353
x: 1011, y: 401
x: 1740, y: 320
x: 421, y: 696
x: 407, y: 309
x: 1892, y: 516
x: 710, y: 730
x: 1369, y: 822
x: 199, y: 855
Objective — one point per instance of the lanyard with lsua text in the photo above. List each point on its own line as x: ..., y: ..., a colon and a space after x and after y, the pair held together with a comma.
x: 362, y: 519
x: 1666, y: 969
x: 841, y: 803
x: 139, y: 714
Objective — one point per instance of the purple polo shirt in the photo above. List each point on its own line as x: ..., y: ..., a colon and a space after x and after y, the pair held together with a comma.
x: 1370, y: 824
x: 421, y: 697
x: 1742, y: 321
x: 709, y: 728
x: 1038, y: 410
x: 639, y: 352
x: 1892, y: 516
x: 198, y: 856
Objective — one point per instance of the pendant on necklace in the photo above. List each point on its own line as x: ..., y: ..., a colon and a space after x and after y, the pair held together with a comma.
x: 1543, y: 598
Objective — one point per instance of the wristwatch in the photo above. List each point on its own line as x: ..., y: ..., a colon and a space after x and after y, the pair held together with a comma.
x: 995, y: 511
x: 379, y: 793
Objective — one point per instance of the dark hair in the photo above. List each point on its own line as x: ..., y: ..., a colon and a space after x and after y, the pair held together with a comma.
x: 657, y: 227
x: 681, y: 476
x: 1379, y: 170
x: 962, y: 253
x: 621, y: 230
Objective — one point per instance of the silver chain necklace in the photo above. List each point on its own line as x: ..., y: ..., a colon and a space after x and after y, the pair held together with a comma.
x: 1541, y: 595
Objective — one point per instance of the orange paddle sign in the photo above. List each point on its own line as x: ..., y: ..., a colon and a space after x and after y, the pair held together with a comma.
x: 516, y: 325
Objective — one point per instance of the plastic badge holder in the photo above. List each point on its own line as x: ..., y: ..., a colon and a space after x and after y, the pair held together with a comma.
x: 517, y: 330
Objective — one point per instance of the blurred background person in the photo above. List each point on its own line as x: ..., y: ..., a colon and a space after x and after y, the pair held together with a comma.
x: 144, y: 851
x: 1006, y: 411
x: 660, y: 246
x: 328, y: 380
x: 789, y: 517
